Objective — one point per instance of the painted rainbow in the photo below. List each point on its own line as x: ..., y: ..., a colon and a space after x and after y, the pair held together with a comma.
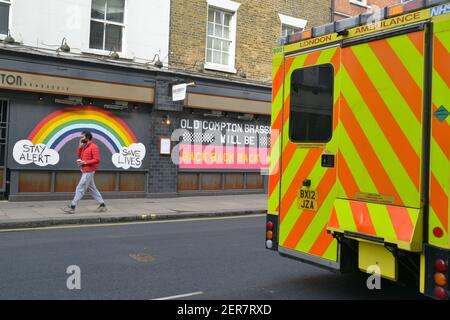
x: 62, y: 126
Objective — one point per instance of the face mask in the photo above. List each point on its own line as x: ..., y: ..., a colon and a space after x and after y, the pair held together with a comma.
x: 84, y: 141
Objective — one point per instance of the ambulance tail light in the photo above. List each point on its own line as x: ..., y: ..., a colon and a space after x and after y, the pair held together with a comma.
x: 271, y: 232
x: 441, y: 266
x: 440, y: 293
x: 440, y: 279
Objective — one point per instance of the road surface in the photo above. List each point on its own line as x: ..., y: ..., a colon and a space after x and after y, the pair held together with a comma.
x: 201, y: 259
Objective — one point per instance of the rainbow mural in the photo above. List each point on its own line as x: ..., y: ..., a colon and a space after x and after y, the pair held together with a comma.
x: 62, y: 126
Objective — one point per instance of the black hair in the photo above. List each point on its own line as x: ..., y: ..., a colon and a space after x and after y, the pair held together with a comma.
x: 87, y: 134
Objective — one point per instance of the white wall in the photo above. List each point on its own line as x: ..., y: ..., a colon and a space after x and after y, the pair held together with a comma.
x: 39, y: 22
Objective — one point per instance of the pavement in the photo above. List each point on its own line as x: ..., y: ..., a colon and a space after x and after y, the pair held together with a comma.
x: 14, y: 215
x: 215, y: 258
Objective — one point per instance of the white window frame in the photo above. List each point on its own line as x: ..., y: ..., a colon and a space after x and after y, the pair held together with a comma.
x: 3, y: 36
x: 361, y: 3
x: 231, y: 7
x: 104, y: 21
x: 292, y: 22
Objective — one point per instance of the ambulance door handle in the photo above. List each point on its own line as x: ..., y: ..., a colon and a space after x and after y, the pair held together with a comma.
x: 307, y: 183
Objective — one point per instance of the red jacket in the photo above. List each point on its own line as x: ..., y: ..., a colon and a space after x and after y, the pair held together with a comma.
x: 91, y: 155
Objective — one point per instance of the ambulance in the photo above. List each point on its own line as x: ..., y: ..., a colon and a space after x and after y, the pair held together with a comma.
x: 360, y: 146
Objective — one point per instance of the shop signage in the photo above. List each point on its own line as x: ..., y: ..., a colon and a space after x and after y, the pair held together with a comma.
x: 206, y: 144
x: 22, y: 81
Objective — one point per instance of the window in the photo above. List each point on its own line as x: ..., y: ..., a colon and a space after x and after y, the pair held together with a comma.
x: 362, y: 3
x: 4, y: 16
x: 288, y: 30
x: 220, y: 37
x: 311, y: 108
x: 291, y: 25
x: 107, y: 24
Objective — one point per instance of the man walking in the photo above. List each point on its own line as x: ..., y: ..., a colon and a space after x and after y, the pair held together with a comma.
x: 88, y: 161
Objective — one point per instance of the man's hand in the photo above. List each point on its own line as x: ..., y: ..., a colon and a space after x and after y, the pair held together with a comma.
x: 81, y: 162
x: 81, y: 144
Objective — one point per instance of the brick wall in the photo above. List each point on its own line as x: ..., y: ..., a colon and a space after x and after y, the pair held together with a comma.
x: 352, y: 9
x: 258, y: 32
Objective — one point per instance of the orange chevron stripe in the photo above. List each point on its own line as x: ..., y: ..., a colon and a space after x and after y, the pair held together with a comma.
x: 274, y: 179
x: 277, y: 82
x: 288, y: 153
x: 322, y: 243
x: 333, y: 222
x: 418, y: 41
x: 402, y: 223
x: 335, y: 115
x: 439, y: 201
x: 442, y: 60
x: 286, y: 110
x: 277, y: 123
x: 275, y: 174
x: 346, y: 177
x: 336, y: 61
x: 402, y: 79
x: 299, y: 228
x: 302, y: 172
x: 288, y: 64
x: 440, y: 133
x: 370, y: 159
x: 312, y: 58
x: 391, y: 129
x: 306, y: 217
x: 362, y: 218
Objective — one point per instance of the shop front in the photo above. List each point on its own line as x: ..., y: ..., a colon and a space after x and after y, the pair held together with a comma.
x: 214, y: 141
x: 222, y: 154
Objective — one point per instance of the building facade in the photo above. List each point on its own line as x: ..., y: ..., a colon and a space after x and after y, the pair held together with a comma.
x: 233, y: 41
x: 236, y: 38
x: 348, y: 8
x: 168, y: 121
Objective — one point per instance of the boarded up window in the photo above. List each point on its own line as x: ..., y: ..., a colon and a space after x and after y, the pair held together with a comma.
x: 211, y: 181
x: 132, y: 182
x: 105, y: 181
x: 234, y: 181
x: 67, y: 181
x: 187, y: 182
x: 255, y: 181
x: 33, y: 181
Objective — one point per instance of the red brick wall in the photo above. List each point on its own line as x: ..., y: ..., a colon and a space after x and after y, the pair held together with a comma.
x: 346, y: 7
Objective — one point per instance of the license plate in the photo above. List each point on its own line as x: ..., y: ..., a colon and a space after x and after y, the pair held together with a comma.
x: 307, y: 199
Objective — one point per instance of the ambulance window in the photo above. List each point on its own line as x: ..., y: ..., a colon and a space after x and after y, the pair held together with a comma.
x: 311, y: 109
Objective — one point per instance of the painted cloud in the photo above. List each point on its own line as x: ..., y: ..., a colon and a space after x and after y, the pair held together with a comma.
x: 130, y: 157
x: 25, y: 152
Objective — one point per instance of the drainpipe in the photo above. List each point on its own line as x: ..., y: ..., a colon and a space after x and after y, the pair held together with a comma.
x: 332, y: 10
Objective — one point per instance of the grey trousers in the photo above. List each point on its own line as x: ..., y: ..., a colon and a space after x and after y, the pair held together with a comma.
x: 87, y: 183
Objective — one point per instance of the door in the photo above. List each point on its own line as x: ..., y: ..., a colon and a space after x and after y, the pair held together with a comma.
x: 3, y: 142
x: 309, y: 147
x: 380, y: 140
